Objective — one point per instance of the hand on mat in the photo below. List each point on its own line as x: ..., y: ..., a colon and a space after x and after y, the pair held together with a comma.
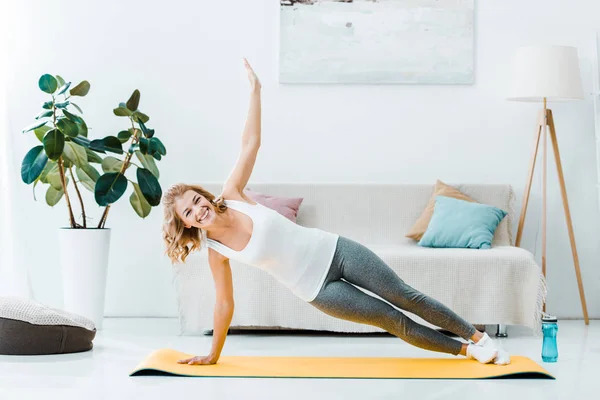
x: 254, y: 82
x: 199, y: 360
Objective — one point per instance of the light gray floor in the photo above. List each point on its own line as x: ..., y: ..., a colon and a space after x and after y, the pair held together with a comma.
x: 103, y: 372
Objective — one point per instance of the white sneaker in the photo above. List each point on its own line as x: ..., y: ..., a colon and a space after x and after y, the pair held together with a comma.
x: 482, y: 354
x: 503, y: 358
x: 485, y: 341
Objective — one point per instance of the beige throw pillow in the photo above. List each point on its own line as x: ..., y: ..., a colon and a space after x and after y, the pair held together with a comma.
x: 441, y: 189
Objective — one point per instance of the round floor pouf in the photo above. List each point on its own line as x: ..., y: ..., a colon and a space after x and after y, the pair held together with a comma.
x: 30, y: 328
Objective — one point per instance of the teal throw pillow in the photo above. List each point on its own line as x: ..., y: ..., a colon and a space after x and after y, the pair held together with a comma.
x: 461, y: 224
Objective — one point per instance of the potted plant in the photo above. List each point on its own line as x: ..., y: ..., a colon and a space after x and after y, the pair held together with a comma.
x: 65, y: 146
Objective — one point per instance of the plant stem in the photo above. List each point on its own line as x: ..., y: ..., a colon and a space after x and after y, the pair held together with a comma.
x: 103, y: 218
x: 61, y: 172
x: 63, y: 182
x: 126, y: 163
x: 79, y: 195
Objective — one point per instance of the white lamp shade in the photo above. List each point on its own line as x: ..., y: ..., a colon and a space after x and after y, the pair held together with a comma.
x: 545, y: 71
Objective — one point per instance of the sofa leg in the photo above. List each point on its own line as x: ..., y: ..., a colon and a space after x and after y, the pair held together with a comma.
x: 501, y: 332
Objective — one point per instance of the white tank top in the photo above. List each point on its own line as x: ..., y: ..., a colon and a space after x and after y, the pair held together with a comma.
x: 297, y: 256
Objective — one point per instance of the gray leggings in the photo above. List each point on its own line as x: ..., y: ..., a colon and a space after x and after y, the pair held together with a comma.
x: 359, y: 266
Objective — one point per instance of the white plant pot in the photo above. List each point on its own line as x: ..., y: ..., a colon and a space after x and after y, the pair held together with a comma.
x: 84, y: 265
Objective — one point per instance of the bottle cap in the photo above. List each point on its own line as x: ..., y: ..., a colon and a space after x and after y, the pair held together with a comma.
x: 549, y: 318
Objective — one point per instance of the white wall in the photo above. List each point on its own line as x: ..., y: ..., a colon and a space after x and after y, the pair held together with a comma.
x: 185, y: 57
x: 13, y: 280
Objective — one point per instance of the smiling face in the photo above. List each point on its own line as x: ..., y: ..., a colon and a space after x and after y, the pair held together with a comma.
x: 195, y: 210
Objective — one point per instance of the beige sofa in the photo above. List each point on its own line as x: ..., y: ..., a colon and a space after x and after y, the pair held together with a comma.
x: 499, y: 286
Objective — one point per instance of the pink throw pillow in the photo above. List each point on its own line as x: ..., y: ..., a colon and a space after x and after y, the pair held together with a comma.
x: 286, y: 206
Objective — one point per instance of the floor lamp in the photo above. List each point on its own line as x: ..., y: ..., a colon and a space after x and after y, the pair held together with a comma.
x: 541, y: 74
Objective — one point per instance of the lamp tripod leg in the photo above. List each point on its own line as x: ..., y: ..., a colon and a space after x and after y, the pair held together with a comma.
x: 529, y: 179
x: 563, y: 192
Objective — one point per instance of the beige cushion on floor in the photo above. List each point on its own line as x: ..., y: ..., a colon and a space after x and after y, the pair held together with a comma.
x: 441, y: 189
x: 31, y: 328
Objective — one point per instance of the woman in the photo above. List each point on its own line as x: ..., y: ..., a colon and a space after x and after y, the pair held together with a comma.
x: 309, y: 261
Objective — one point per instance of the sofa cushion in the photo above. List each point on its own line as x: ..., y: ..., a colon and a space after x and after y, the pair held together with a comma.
x: 441, y: 189
x: 286, y: 206
x: 30, y: 328
x: 462, y: 224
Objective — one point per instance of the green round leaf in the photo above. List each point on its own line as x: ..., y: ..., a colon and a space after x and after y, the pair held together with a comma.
x: 53, y: 179
x: 83, y: 129
x: 144, y: 145
x: 60, y: 80
x: 68, y: 127
x: 45, y: 114
x: 76, y: 153
x: 93, y: 157
x: 82, y: 141
x: 34, y: 126
x: 64, y: 87
x: 111, y: 164
x: 53, y: 196
x: 47, y: 105
x: 81, y: 90
x: 143, y: 126
x: 48, y: 83
x: 157, y: 146
x: 97, y: 145
x: 90, y: 172
x: 147, y: 132
x: 72, y: 117
x: 91, y: 186
x: 122, y: 112
x: 138, y: 116
x: 124, y: 136
x: 54, y: 144
x: 134, y: 101
x: 139, y: 203
x: 33, y: 164
x: 88, y: 176
x: 109, y: 188
x: 157, y: 156
x: 41, y: 131
x: 112, y: 144
x: 148, y: 163
x: 109, y: 143
x: 64, y: 104
x: 51, y: 167
x: 149, y: 186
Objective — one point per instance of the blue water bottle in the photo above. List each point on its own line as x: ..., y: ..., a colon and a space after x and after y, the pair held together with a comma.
x: 549, y: 346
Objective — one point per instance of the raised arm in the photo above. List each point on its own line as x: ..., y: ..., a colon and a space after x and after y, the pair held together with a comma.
x: 240, y: 175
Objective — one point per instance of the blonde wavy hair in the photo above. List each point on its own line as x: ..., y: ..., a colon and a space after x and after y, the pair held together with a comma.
x: 181, y: 241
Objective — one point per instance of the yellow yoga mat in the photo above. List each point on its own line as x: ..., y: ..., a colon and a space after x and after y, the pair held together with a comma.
x: 164, y: 362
